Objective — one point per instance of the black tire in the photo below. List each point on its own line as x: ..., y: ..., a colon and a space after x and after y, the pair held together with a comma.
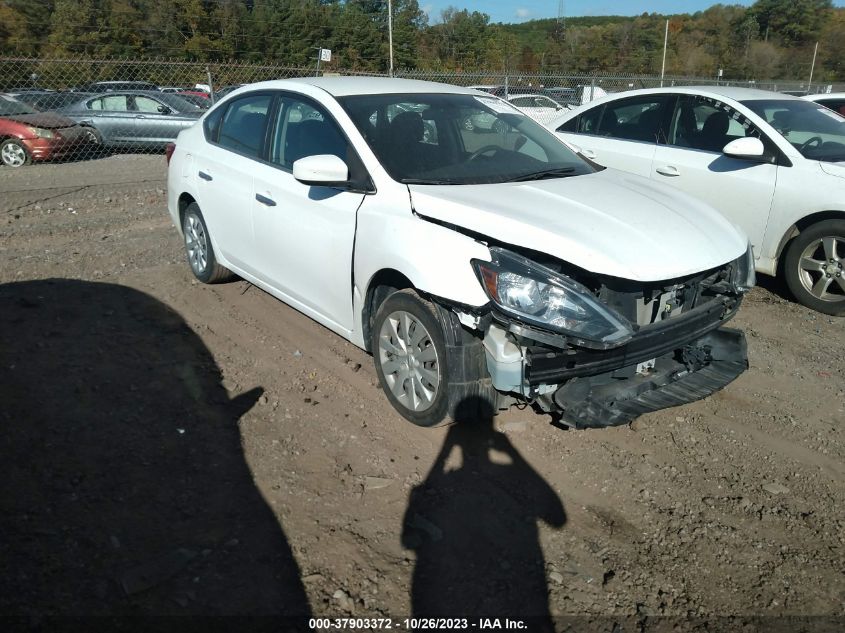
x: 801, y: 281
x: 93, y: 137
x: 460, y: 361
x: 11, y: 148
x: 198, y: 248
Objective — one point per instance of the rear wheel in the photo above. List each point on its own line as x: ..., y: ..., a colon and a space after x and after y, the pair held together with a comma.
x: 13, y: 153
x: 198, y: 248
x: 814, y: 267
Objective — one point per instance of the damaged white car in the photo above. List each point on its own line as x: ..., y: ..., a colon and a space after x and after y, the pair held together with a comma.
x: 472, y: 263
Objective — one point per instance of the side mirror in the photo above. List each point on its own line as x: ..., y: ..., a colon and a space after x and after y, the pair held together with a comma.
x: 324, y: 170
x: 163, y: 109
x: 748, y: 147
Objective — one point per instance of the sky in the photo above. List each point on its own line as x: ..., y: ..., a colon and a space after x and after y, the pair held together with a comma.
x: 522, y: 10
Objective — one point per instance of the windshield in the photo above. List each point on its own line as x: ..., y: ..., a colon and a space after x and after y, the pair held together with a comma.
x: 458, y: 139
x: 10, y: 107
x: 815, y: 131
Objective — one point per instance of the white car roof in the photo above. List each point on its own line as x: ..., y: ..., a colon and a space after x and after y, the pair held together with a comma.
x: 727, y: 92
x: 716, y: 92
x: 345, y: 86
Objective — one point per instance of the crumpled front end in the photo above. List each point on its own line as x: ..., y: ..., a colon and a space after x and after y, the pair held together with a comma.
x: 678, y: 350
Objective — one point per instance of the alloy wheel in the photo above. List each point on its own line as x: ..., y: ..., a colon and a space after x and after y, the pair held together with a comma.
x: 13, y: 155
x: 409, y: 361
x: 196, y: 243
x: 821, y: 268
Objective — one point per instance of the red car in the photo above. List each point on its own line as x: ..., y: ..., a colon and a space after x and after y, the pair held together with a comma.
x: 27, y: 135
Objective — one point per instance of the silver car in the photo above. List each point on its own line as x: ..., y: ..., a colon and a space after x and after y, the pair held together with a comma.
x: 134, y: 119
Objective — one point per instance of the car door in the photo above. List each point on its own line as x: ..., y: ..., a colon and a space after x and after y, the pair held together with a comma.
x: 236, y: 135
x: 692, y: 161
x: 111, y: 116
x: 622, y: 134
x: 304, y: 235
x: 155, y: 122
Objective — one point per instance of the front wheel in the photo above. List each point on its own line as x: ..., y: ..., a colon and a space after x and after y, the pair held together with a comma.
x: 13, y: 153
x: 814, y: 267
x: 410, y: 357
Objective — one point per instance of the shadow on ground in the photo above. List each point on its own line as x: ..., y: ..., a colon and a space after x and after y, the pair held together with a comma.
x: 473, y: 526
x: 125, y: 489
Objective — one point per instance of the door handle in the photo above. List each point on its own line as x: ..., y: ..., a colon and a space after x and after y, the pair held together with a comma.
x: 140, y: 116
x: 668, y: 170
x: 205, y: 176
x: 265, y: 200
x: 588, y: 153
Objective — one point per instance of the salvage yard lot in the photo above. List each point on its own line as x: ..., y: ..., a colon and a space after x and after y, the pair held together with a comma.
x: 123, y: 444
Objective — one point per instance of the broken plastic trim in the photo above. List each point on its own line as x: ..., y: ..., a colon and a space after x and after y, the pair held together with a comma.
x: 690, y: 373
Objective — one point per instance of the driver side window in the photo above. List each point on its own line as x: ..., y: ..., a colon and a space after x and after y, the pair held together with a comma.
x: 705, y: 124
x: 145, y: 104
x: 303, y: 130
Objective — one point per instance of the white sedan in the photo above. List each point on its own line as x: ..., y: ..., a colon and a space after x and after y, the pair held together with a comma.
x: 539, y: 107
x: 478, y: 269
x: 771, y: 163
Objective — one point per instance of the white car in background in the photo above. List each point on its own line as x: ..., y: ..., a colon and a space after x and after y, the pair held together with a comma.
x: 539, y: 107
x: 835, y: 101
x: 478, y: 269
x: 771, y: 163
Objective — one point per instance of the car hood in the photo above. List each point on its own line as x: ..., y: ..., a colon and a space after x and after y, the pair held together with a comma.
x: 48, y: 120
x: 834, y: 169
x: 609, y: 223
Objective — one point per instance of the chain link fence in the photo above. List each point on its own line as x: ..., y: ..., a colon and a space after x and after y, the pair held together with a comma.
x: 73, y: 109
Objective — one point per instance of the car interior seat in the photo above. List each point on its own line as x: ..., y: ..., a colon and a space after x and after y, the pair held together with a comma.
x: 312, y: 137
x: 714, y: 134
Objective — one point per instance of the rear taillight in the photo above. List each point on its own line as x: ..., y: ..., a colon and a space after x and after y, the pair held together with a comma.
x: 168, y: 151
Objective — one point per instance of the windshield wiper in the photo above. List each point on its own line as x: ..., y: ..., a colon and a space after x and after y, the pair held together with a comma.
x: 425, y: 181
x: 561, y: 172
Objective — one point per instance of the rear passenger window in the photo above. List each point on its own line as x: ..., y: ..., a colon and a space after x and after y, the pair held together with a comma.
x: 244, y: 125
x: 114, y: 103
x: 637, y: 119
x: 837, y: 105
x: 211, y: 125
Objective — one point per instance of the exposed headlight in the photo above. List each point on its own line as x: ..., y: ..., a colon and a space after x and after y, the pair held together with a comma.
x: 745, y: 278
x: 537, y: 295
x: 40, y: 132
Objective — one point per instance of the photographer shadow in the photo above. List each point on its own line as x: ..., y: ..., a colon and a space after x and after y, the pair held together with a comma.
x: 125, y: 486
x: 473, y: 524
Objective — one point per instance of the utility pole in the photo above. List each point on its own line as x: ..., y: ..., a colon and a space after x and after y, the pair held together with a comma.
x: 813, y: 66
x: 665, y: 44
x: 390, y: 32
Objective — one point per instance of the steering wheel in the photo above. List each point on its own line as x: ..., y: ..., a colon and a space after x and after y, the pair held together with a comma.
x: 483, y: 150
x: 815, y: 141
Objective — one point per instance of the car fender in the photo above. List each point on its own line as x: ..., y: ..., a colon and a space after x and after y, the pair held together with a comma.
x: 803, y: 191
x: 434, y: 258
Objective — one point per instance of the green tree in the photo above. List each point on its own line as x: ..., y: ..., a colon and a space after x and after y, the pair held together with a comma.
x: 793, y: 21
x: 73, y: 28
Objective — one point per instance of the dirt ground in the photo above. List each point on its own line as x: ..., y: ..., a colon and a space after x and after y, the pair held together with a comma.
x: 175, y: 448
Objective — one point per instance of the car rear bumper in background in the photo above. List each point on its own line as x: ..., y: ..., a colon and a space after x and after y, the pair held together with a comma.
x: 683, y: 375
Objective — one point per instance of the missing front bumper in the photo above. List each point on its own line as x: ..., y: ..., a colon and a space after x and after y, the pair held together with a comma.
x: 684, y: 375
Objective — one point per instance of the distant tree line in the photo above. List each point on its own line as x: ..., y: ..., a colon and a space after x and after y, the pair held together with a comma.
x: 769, y: 40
